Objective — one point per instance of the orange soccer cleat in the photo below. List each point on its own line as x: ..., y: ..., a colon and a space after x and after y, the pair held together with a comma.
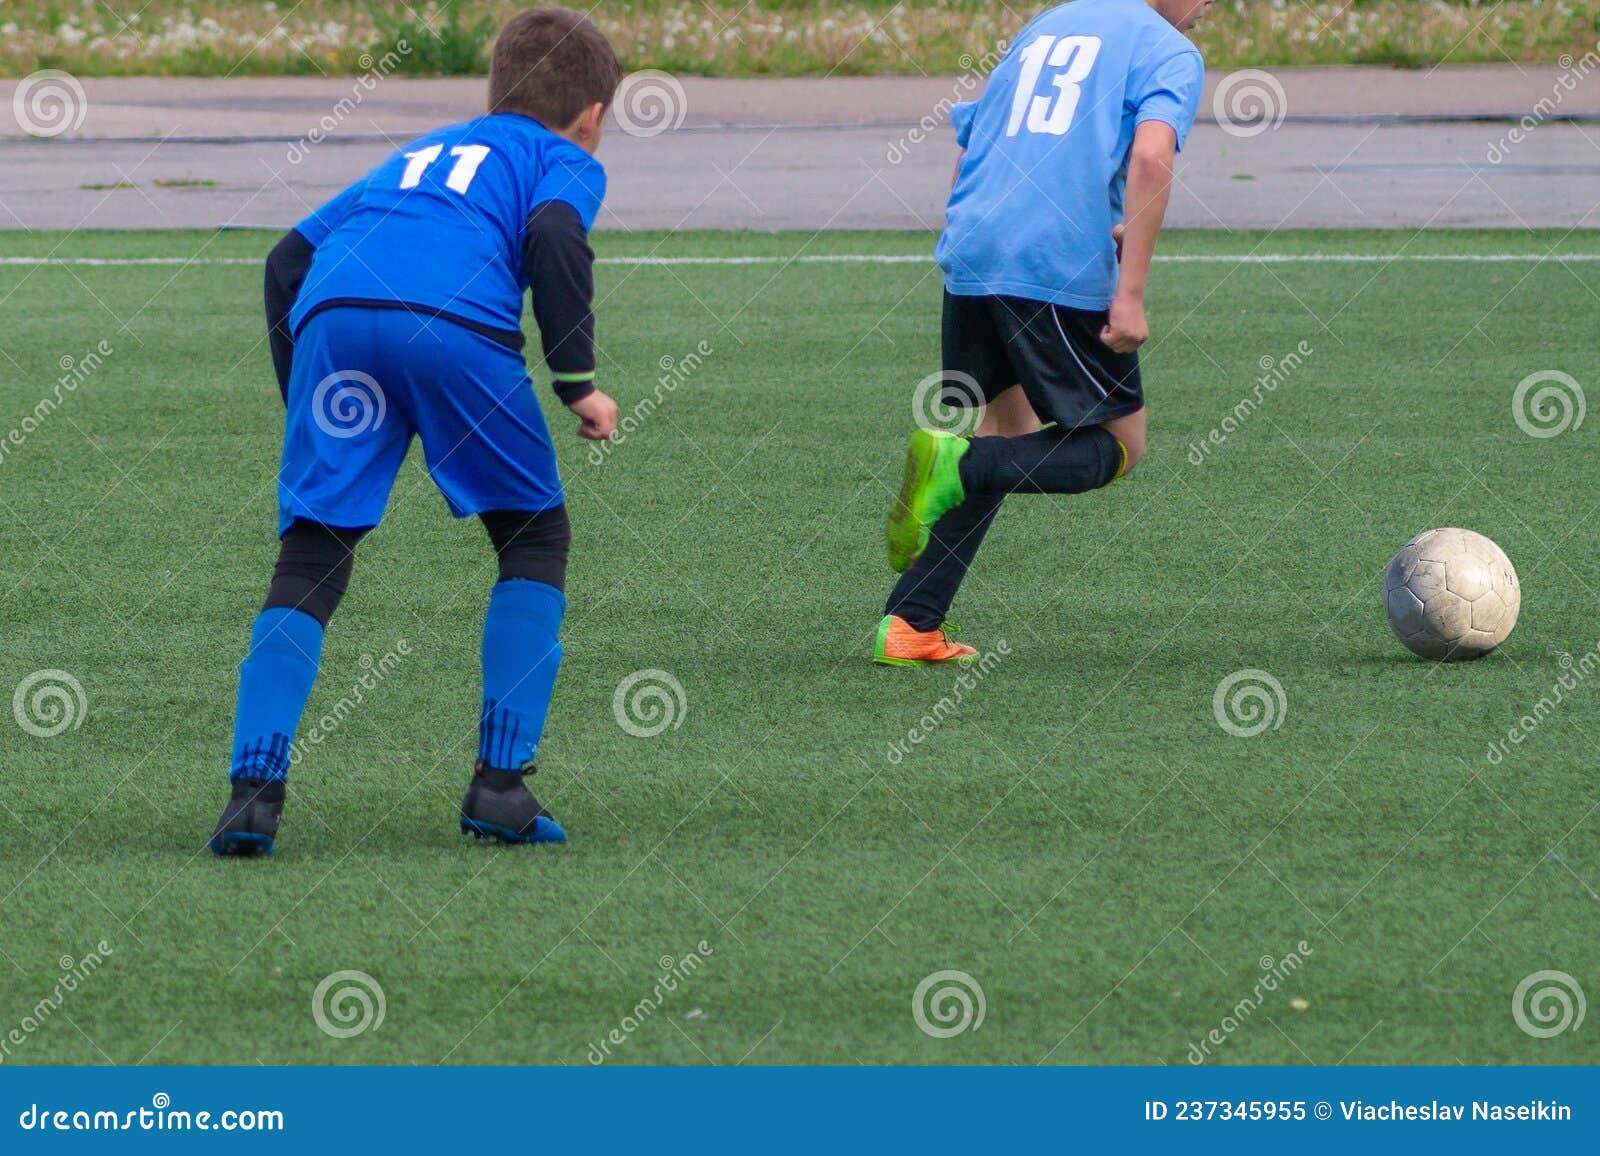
x: 901, y: 644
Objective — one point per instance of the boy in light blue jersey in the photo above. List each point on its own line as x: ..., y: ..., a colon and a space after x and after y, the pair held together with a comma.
x: 1052, y: 221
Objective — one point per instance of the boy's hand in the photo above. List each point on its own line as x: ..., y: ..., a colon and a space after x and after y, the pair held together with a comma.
x: 597, y: 416
x: 1126, y: 329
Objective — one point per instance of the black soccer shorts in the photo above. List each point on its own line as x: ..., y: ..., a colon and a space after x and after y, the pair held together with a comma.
x: 1054, y: 352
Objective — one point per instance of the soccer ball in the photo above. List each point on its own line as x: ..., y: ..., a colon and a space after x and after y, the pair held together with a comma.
x: 1451, y: 594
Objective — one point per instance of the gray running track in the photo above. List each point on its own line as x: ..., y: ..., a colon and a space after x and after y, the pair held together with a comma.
x: 812, y: 154
x: 1295, y: 176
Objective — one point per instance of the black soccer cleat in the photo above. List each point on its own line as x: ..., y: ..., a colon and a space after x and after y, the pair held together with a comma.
x: 249, y: 822
x: 499, y: 806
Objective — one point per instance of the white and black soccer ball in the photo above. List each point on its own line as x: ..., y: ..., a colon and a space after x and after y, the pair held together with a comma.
x: 1451, y: 594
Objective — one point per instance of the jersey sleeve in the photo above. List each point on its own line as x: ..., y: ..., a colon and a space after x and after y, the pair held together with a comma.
x: 575, y: 178
x: 325, y: 220
x: 962, y: 115
x: 1170, y: 93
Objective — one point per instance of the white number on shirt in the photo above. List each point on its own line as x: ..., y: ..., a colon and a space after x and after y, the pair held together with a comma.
x: 1071, y: 58
x: 468, y: 158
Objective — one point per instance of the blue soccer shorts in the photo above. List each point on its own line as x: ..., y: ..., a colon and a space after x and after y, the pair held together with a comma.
x: 366, y: 380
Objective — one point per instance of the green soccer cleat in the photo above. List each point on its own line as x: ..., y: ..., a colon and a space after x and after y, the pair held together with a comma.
x: 930, y: 486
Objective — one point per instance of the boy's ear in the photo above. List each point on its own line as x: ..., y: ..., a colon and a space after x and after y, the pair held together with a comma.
x: 587, y: 127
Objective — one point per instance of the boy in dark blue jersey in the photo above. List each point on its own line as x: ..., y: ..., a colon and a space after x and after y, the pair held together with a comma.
x: 394, y: 311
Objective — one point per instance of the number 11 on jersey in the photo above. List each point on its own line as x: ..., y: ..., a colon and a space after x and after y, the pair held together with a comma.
x: 468, y: 158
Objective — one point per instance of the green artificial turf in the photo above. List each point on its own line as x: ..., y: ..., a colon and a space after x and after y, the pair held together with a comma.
x: 1080, y: 836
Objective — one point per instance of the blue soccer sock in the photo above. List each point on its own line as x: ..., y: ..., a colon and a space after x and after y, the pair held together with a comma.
x: 274, y: 682
x: 521, y: 654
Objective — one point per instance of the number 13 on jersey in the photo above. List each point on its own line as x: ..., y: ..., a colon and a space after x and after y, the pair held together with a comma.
x: 1070, y: 58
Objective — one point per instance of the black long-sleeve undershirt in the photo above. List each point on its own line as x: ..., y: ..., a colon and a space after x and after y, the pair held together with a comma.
x: 286, y: 272
x: 559, y: 267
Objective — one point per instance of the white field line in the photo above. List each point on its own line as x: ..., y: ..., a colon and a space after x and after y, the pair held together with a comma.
x: 904, y: 259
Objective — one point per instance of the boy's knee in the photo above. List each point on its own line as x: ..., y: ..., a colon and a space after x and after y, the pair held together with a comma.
x: 1132, y: 451
x: 531, y: 546
x: 313, y: 570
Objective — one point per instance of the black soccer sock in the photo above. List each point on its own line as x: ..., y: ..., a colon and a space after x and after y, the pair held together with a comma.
x: 1048, y: 461
x: 924, y: 593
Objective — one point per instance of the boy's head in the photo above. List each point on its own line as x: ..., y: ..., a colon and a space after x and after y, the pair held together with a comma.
x: 554, y: 65
x: 1181, y: 14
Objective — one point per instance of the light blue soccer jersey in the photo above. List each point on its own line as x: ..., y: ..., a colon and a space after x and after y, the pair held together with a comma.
x: 1040, y: 184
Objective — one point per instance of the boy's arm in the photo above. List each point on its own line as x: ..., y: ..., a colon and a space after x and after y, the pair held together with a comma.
x: 1145, y: 199
x: 559, y: 266
x: 286, y: 272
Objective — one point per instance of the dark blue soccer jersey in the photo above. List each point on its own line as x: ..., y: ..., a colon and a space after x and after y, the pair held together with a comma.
x: 440, y: 224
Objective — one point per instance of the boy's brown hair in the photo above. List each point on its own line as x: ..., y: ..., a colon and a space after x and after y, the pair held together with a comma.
x: 551, y: 64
